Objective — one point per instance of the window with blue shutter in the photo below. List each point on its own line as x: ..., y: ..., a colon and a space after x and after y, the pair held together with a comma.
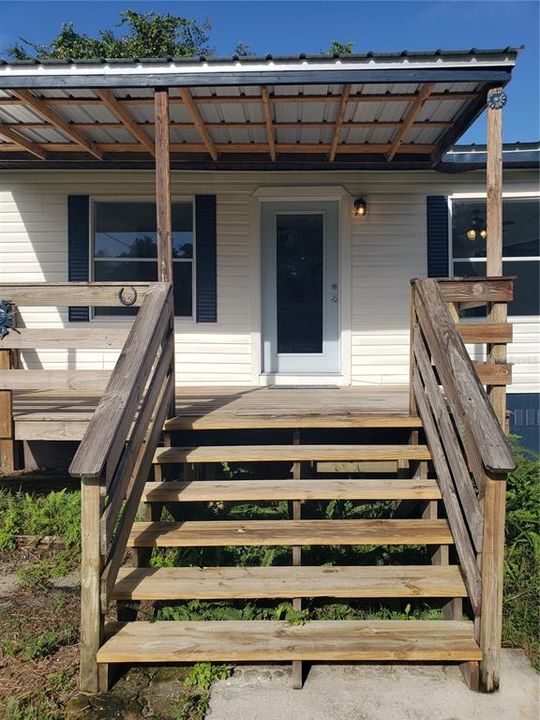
x: 78, y: 248
x: 206, y: 263
x: 437, y: 236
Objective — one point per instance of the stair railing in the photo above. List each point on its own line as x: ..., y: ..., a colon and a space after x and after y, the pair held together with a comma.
x: 470, y: 455
x: 113, y: 462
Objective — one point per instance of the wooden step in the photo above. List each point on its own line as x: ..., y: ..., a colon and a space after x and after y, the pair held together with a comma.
x: 216, y: 533
x: 273, y: 453
x: 265, y: 640
x: 223, y: 583
x: 289, y: 420
x: 318, y: 489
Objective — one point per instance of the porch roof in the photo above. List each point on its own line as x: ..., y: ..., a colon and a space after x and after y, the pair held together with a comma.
x: 376, y: 110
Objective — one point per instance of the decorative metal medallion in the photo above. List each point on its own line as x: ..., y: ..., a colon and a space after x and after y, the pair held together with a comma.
x: 7, y: 318
x: 496, y: 99
x: 128, y: 296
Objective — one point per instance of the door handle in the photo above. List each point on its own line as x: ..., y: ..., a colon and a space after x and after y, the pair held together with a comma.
x: 333, y: 298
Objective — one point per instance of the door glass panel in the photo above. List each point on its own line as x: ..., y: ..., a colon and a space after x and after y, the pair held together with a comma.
x: 299, y: 283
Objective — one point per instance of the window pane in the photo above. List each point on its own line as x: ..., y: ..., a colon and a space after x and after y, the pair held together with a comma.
x: 183, y: 289
x: 125, y: 229
x: 521, y: 228
x: 128, y: 229
x: 299, y: 283
x: 468, y: 229
x: 526, y: 288
x: 182, y: 225
x: 123, y: 271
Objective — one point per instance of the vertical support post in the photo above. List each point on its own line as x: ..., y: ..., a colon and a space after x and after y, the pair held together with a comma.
x: 163, y: 186
x: 7, y: 442
x: 413, y: 322
x: 497, y: 312
x: 492, y: 582
x: 297, y: 665
x: 92, y: 676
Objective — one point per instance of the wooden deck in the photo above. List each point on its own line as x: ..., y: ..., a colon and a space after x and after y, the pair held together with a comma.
x: 64, y: 415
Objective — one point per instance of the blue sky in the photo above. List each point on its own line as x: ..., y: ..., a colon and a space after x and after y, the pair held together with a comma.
x: 284, y: 26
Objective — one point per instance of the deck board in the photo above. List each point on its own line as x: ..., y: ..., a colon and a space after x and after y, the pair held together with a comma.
x: 64, y: 415
x: 265, y: 640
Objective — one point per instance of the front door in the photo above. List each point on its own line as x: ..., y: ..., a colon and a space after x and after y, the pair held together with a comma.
x: 300, y: 260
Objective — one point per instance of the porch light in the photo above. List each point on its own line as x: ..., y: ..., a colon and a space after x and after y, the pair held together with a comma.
x: 360, y: 207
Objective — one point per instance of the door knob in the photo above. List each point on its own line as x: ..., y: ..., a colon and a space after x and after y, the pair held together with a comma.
x: 333, y: 298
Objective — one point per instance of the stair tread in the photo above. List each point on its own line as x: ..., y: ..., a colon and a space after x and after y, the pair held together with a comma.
x: 255, y: 421
x: 226, y: 640
x: 215, y: 583
x: 288, y: 489
x: 215, y: 533
x: 262, y: 453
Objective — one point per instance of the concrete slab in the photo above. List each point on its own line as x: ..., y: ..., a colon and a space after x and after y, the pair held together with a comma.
x: 376, y: 692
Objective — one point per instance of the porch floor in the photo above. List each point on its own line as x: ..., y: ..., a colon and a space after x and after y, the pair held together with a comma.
x: 64, y: 415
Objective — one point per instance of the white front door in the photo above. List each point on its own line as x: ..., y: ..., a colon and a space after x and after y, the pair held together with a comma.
x: 300, y: 279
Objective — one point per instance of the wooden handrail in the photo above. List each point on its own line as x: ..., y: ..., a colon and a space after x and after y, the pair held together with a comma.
x: 105, y: 436
x: 114, y: 459
x: 465, y: 394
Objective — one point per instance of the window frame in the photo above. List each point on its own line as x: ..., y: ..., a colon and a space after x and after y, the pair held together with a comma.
x: 94, y: 200
x: 472, y: 196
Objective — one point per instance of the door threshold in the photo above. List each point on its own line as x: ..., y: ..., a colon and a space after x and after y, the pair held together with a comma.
x: 306, y: 380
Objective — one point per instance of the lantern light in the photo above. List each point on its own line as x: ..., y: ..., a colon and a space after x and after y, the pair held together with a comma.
x: 360, y: 207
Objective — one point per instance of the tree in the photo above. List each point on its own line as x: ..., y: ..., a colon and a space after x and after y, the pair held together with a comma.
x: 341, y: 48
x: 243, y: 50
x: 149, y: 35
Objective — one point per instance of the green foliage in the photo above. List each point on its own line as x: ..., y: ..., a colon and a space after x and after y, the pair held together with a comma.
x: 56, y: 513
x: 341, y: 48
x: 243, y: 50
x: 285, y: 611
x: 29, y: 647
x: 149, y: 35
x: 521, y: 611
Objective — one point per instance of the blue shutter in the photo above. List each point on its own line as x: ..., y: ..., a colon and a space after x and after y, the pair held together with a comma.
x: 78, y: 248
x: 525, y: 418
x: 205, y: 262
x: 437, y: 236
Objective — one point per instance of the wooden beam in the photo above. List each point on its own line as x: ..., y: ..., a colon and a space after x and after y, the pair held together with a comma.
x: 22, y: 142
x: 293, y: 148
x: 198, y: 122
x: 42, y: 108
x: 345, y: 93
x: 256, y: 99
x: 113, y: 106
x: 382, y: 124
x: 163, y: 187
x: 414, y: 110
x: 494, y: 188
x: 268, y: 120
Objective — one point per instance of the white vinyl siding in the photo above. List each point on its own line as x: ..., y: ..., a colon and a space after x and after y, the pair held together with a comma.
x: 388, y: 248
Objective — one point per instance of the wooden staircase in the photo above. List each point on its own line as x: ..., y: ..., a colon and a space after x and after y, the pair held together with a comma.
x: 442, y: 467
x: 170, y: 641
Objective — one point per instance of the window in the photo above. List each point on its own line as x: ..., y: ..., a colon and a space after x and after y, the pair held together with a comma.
x: 125, y: 248
x: 521, y: 247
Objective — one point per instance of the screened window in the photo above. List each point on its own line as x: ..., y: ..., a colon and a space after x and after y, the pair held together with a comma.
x: 125, y: 248
x: 521, y: 247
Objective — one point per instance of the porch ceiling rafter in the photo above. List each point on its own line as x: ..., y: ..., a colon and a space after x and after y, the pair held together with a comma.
x: 40, y: 106
x: 22, y: 142
x: 268, y: 121
x: 114, y: 107
x: 345, y: 93
x: 408, y: 121
x: 198, y: 121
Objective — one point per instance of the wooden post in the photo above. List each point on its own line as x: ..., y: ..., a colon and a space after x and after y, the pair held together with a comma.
x: 492, y: 583
x: 92, y: 676
x: 7, y: 442
x: 497, y: 312
x: 163, y: 186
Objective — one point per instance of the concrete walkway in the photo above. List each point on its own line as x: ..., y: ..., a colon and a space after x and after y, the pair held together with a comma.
x: 376, y: 693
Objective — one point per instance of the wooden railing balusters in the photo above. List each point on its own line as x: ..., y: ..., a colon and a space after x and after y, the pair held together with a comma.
x: 467, y: 441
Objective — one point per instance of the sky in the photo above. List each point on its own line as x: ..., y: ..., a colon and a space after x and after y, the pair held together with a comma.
x: 292, y: 27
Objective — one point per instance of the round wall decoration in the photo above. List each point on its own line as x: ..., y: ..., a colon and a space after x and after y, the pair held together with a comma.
x: 496, y: 99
